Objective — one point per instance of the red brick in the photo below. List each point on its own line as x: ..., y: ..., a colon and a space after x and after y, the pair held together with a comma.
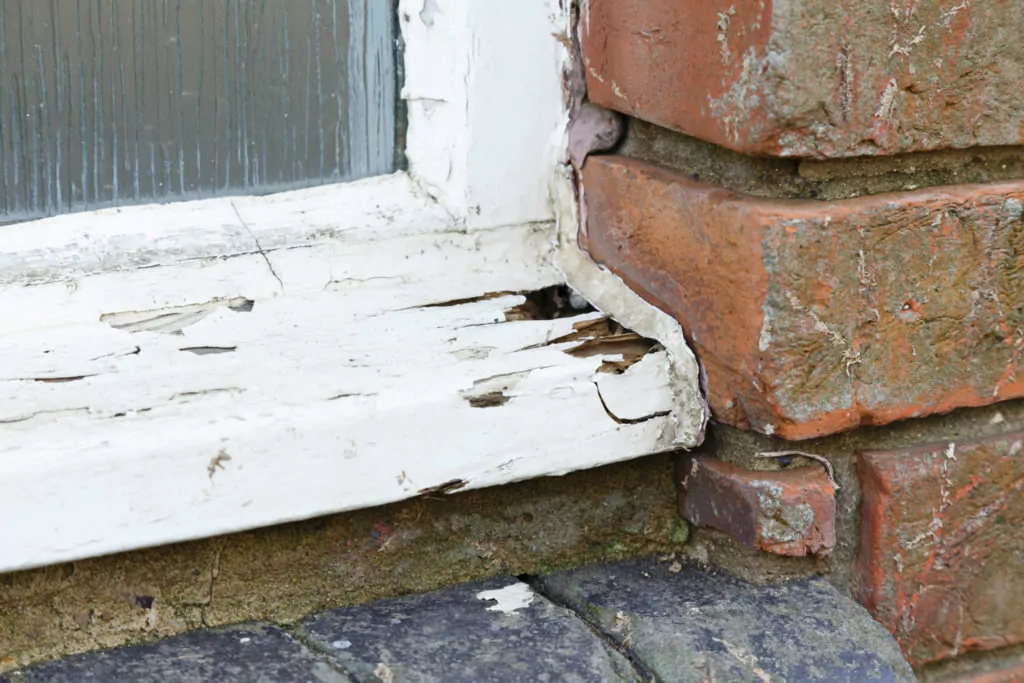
x: 814, y: 317
x: 813, y: 78
x: 942, y: 545
x: 786, y: 512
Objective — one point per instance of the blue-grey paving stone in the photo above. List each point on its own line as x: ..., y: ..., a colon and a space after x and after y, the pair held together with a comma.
x: 453, y: 635
x: 694, y: 625
x: 245, y: 654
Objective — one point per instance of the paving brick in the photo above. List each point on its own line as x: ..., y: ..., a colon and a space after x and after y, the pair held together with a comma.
x: 942, y: 545
x: 233, y: 655
x: 786, y: 512
x: 815, y: 317
x: 812, y: 78
x: 685, y: 625
x: 490, y: 632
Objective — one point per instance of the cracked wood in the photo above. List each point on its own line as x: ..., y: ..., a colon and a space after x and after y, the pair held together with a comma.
x: 326, y: 397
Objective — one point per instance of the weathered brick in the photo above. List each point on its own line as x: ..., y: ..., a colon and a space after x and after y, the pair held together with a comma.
x: 813, y: 78
x: 786, y: 512
x: 942, y: 545
x: 814, y: 317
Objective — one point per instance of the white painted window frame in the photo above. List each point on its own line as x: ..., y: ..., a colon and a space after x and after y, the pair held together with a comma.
x: 142, y: 403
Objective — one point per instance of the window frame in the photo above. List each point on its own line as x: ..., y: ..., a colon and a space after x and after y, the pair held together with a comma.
x: 484, y: 212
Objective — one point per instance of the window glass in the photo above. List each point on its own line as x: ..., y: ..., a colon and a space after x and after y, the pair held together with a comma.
x: 111, y: 102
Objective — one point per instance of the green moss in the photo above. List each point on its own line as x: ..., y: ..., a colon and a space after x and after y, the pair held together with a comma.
x: 679, y: 532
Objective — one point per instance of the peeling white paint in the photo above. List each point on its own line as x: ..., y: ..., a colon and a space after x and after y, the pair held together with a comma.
x: 603, y: 289
x: 485, y: 102
x: 653, y: 370
x: 514, y: 597
x: 329, y: 399
x: 607, y: 292
x: 170, y: 372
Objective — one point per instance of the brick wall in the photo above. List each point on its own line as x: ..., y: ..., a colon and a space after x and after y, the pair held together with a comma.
x: 828, y: 195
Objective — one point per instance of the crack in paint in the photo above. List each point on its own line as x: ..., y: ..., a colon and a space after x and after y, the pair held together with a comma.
x: 628, y: 420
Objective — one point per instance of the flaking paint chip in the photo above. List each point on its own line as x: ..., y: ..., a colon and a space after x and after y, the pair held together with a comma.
x: 508, y: 599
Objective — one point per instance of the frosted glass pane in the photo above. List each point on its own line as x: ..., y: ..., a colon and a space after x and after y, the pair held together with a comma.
x: 110, y: 102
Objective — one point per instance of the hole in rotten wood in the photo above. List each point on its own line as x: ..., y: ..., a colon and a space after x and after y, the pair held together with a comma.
x: 209, y: 350
x: 490, y: 400
x: 606, y: 337
x: 549, y: 303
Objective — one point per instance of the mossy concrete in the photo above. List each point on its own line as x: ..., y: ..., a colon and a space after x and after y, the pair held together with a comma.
x: 285, y: 573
